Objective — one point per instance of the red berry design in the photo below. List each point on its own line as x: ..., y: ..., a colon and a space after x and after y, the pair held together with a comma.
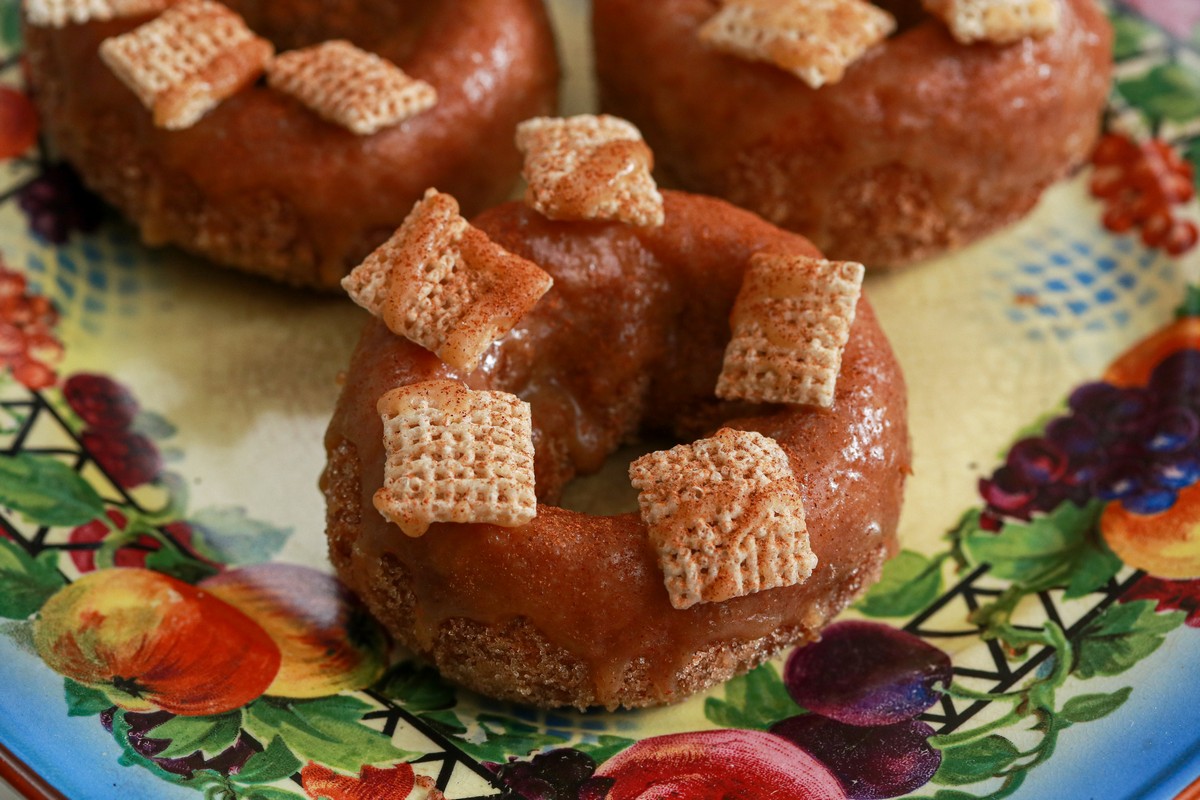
x: 27, y: 338
x: 130, y: 555
x: 128, y: 457
x: 1140, y: 184
x: 101, y: 402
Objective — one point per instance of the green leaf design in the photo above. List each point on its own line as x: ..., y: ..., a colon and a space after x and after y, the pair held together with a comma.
x: 756, y: 700
x: 1129, y: 35
x: 1089, y: 707
x: 275, y: 763
x: 154, y: 425
x: 1121, y: 636
x: 177, y: 564
x: 490, y: 737
x: 230, y: 536
x: 605, y: 747
x: 1062, y: 548
x: 84, y: 701
x: 26, y: 583
x: 132, y: 758
x: 418, y: 688
x: 268, y: 793
x: 328, y: 730
x: 953, y: 794
x: 975, y: 761
x: 210, y: 735
x: 910, y: 582
x: 10, y: 25
x: 47, y: 492
x: 1191, y: 305
x: 1167, y: 92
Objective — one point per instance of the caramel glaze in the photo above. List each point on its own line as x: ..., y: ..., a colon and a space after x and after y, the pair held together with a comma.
x: 262, y: 182
x: 925, y: 145
x: 570, y: 609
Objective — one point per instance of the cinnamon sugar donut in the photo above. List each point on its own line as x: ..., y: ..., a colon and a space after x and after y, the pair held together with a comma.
x: 263, y: 183
x: 570, y: 609
x: 926, y: 143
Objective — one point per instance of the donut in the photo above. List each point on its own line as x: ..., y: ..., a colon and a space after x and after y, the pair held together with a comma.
x: 569, y: 608
x: 261, y: 182
x: 925, y: 144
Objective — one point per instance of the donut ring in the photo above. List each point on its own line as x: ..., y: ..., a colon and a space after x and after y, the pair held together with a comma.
x: 925, y: 145
x: 570, y: 609
x: 261, y: 182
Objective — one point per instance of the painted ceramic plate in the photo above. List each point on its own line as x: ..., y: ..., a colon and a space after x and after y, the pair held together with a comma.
x: 159, y: 415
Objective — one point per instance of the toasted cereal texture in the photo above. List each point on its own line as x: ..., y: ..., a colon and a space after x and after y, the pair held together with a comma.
x: 589, y: 167
x: 60, y: 13
x: 815, y: 40
x: 996, y: 21
x: 790, y: 322
x: 186, y: 61
x: 725, y: 516
x: 455, y: 455
x: 351, y: 87
x: 445, y: 285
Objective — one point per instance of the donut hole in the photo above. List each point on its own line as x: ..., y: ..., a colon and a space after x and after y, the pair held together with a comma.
x: 622, y: 356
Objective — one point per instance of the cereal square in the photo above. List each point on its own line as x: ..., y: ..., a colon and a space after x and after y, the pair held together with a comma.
x: 815, y: 40
x: 445, y: 285
x: 996, y: 21
x: 186, y: 61
x: 60, y: 13
x: 790, y: 322
x: 589, y: 167
x: 725, y: 516
x: 455, y: 455
x: 350, y: 87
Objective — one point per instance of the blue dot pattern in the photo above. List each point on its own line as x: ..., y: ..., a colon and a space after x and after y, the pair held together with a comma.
x: 1057, y: 285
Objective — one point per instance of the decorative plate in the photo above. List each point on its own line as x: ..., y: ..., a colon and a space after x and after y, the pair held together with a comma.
x: 1037, y: 637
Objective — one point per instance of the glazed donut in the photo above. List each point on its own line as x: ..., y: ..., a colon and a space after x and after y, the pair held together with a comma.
x: 570, y: 609
x: 261, y: 182
x: 925, y: 145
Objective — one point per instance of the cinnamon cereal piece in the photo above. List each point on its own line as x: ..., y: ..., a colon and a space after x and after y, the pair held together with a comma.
x: 455, y: 455
x: 351, y: 87
x: 791, y: 322
x: 997, y: 21
x: 589, y: 167
x: 60, y: 13
x: 445, y: 285
x: 725, y: 516
x: 186, y: 61
x: 815, y: 40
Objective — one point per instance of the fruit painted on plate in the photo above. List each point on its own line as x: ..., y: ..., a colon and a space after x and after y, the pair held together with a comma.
x: 327, y: 641
x: 867, y: 673
x: 1165, y: 544
x: 746, y: 764
x: 150, y: 641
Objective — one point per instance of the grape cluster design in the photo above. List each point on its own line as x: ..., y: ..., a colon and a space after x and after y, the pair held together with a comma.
x: 1138, y: 445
